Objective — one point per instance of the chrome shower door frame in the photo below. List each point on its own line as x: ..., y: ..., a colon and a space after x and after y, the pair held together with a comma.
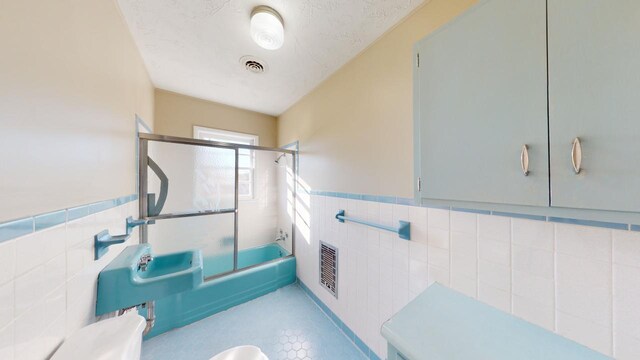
x: 143, y: 141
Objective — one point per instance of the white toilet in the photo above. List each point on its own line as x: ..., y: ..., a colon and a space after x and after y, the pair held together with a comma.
x: 120, y: 338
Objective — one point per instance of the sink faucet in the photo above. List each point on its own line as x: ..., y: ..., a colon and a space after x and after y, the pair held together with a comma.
x: 144, y: 262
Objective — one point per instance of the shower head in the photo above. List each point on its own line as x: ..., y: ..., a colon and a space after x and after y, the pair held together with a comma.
x: 280, y: 157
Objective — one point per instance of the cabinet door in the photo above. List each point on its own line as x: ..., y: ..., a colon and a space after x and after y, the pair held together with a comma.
x: 481, y: 93
x: 594, y: 95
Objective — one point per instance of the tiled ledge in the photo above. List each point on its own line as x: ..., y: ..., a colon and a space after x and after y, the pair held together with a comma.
x: 16, y: 228
x: 411, y: 202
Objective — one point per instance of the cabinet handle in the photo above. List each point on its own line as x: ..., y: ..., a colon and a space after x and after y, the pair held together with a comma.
x: 524, y: 160
x: 576, y: 155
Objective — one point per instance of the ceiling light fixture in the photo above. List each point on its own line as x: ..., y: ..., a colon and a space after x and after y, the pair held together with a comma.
x: 267, y: 28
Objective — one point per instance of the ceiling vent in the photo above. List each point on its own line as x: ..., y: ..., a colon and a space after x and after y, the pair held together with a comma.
x: 253, y: 64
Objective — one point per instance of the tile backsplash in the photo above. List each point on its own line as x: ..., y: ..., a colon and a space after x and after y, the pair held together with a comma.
x: 578, y: 281
x: 48, y: 282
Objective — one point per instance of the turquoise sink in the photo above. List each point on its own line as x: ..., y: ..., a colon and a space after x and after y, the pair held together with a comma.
x: 127, y: 282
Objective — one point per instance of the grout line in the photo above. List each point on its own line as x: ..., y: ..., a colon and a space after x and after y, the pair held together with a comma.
x: 613, y: 303
x: 511, y: 266
x: 478, y: 257
x: 555, y: 280
x: 426, y: 239
x: 449, y: 249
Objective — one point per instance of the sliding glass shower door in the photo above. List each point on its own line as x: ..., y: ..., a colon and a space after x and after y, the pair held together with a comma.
x: 191, y: 195
x: 190, y: 191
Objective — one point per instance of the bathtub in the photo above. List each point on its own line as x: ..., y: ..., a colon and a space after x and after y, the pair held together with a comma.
x: 214, y: 265
x: 277, y: 269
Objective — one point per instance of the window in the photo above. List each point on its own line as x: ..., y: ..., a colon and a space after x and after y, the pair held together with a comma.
x: 246, y: 157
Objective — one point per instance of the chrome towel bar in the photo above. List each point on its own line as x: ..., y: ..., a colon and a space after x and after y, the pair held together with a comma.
x: 403, y: 231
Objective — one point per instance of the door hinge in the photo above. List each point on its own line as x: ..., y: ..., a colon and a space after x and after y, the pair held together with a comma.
x: 419, y: 184
x: 418, y: 59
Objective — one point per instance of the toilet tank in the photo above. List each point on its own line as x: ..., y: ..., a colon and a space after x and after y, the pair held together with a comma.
x: 117, y: 338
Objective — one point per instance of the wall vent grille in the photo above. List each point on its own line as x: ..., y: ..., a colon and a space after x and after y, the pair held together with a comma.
x: 329, y: 268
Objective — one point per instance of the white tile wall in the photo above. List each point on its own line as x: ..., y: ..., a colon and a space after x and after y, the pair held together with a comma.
x: 48, y: 282
x: 626, y: 290
x: 580, y: 282
x: 464, y: 253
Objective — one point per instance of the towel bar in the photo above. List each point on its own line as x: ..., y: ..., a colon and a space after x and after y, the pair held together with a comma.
x: 403, y: 231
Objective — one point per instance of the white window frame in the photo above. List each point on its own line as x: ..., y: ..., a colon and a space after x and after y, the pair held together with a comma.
x: 232, y: 137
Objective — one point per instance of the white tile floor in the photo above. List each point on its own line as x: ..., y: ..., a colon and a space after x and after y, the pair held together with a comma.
x: 285, y: 324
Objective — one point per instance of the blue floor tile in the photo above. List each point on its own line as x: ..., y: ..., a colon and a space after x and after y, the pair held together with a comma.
x: 285, y: 324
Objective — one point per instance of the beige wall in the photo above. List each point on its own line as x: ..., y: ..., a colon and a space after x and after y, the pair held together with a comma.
x: 356, y: 128
x: 71, y: 82
x: 176, y: 115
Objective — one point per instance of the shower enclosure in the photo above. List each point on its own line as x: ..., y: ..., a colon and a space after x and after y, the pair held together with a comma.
x: 234, y: 203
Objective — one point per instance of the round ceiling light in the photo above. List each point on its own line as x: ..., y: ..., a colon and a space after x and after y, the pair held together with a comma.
x: 267, y: 28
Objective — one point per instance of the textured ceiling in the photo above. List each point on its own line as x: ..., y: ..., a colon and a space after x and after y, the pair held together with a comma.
x: 193, y: 47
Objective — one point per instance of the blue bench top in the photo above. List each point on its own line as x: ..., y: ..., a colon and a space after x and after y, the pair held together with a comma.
x: 442, y: 324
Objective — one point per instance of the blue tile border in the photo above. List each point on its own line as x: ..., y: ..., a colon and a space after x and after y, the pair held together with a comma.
x: 16, y: 228
x: 49, y: 220
x: 369, y: 198
x: 441, y: 207
x: 77, y: 212
x: 405, y: 201
x: 373, y: 356
x: 473, y: 211
x: 350, y: 334
x: 411, y: 202
x: 387, y: 199
x: 362, y: 346
x: 370, y: 354
x: 102, y: 206
x: 602, y: 224
x: 520, y: 216
x: 366, y: 197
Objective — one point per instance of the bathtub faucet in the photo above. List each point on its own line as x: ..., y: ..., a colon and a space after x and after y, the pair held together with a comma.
x: 282, y: 237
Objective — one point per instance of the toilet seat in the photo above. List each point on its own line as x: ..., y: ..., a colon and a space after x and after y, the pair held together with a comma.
x: 245, y: 352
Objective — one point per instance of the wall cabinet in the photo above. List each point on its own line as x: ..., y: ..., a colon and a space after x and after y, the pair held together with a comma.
x: 482, y: 95
x: 594, y: 95
x: 512, y: 96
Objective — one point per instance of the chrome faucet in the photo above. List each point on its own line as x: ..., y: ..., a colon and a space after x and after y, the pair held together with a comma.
x: 144, y: 261
x: 282, y: 237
